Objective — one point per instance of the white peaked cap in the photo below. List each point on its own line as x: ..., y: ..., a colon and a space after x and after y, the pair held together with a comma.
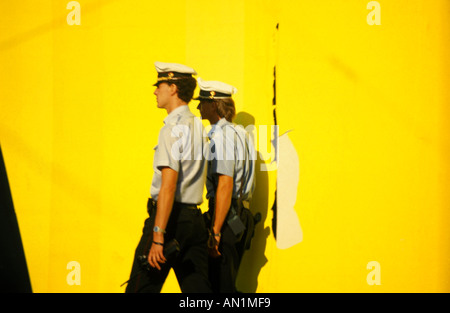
x: 214, y: 89
x: 162, y: 67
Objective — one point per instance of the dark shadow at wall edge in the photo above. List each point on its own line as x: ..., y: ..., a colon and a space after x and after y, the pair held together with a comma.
x: 14, y: 276
x: 274, y: 218
x: 254, y: 259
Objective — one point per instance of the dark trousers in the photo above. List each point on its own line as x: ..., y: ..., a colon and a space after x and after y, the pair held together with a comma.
x: 187, y: 226
x: 223, y: 270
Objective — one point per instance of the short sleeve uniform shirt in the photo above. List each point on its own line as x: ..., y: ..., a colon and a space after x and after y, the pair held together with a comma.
x: 180, y: 146
x: 231, y: 153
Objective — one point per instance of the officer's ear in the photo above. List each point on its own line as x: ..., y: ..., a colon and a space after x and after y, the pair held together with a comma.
x: 173, y: 88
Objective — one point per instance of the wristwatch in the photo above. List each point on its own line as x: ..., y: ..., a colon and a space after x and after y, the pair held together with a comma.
x: 157, y: 229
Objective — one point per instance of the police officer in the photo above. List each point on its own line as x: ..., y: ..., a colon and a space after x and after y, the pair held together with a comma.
x: 175, y: 222
x: 230, y: 184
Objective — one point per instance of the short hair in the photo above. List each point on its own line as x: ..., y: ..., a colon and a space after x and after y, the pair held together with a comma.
x: 186, y: 87
x: 225, y: 108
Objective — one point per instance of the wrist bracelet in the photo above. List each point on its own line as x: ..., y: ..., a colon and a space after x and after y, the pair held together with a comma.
x: 218, y: 235
x: 158, y: 243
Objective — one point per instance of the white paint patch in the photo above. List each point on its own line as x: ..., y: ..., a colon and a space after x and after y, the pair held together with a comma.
x: 289, y: 231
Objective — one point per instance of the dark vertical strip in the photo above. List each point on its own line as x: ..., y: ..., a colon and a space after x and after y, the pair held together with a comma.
x: 274, y: 104
x: 14, y: 276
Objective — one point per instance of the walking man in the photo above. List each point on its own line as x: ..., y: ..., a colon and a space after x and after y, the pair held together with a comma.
x: 174, y: 235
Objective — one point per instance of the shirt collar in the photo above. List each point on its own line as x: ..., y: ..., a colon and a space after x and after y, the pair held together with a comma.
x: 173, y: 116
x: 222, y: 122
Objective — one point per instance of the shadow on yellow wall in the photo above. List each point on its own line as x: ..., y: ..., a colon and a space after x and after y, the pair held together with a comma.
x: 368, y: 105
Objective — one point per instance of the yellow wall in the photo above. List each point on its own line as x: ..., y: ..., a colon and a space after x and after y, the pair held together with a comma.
x: 367, y: 106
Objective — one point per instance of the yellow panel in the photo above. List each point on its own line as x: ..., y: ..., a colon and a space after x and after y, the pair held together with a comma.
x: 367, y: 106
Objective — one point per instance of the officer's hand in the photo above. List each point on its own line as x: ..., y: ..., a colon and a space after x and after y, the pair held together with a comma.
x: 214, y: 252
x: 156, y: 256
